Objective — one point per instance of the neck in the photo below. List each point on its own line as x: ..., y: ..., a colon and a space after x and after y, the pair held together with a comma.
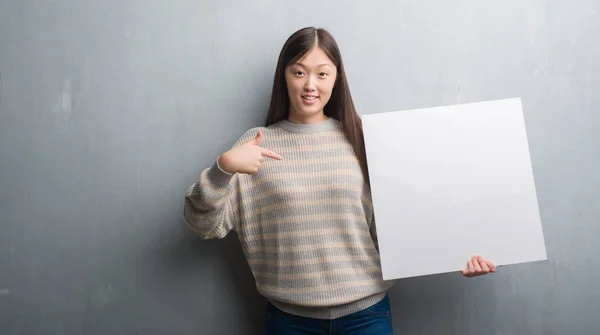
x: 308, y: 119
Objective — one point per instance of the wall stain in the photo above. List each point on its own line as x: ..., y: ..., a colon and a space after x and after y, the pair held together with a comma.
x: 104, y: 294
x: 63, y: 107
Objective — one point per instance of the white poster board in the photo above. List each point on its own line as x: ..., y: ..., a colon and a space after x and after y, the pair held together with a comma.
x: 451, y: 182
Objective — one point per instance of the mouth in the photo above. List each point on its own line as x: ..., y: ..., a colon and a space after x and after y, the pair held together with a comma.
x: 309, y: 99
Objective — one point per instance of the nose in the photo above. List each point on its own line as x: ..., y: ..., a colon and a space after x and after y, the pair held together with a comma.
x: 309, y: 84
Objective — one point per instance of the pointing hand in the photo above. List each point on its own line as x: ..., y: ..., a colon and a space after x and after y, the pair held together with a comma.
x: 247, y: 157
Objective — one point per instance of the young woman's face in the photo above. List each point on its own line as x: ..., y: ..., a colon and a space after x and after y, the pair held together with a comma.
x: 310, y: 82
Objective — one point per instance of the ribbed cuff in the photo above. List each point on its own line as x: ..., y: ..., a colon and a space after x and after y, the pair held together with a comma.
x: 225, y: 172
x: 217, y: 177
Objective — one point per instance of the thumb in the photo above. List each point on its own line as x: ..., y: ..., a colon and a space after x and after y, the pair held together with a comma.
x: 257, y: 139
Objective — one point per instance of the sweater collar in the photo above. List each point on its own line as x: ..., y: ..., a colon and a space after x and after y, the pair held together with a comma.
x: 307, y: 128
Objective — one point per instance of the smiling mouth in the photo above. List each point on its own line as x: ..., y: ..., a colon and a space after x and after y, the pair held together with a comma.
x: 309, y: 97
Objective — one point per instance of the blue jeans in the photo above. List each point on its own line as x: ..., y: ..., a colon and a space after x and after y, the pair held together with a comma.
x: 376, y: 319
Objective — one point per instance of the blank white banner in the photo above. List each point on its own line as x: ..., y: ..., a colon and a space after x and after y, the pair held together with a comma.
x: 451, y: 182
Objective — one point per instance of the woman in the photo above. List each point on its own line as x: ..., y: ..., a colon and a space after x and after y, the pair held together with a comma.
x: 297, y: 193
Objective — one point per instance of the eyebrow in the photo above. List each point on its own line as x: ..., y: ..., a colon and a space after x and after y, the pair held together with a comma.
x: 324, y: 64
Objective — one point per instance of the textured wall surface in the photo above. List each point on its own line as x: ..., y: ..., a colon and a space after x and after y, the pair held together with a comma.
x: 110, y: 109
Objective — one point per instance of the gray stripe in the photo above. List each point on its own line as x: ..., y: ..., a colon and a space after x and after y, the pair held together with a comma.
x: 301, y: 222
x: 319, y: 281
x: 315, y: 267
x: 294, y: 187
x: 304, y: 240
x: 320, y: 175
x: 300, y: 226
x: 197, y: 201
x: 350, y: 251
x: 302, y: 193
x: 320, y: 170
x: 282, y: 136
x: 317, y: 155
x: 316, y: 208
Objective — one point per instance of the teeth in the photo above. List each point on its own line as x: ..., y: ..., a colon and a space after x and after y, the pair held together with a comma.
x: 309, y: 98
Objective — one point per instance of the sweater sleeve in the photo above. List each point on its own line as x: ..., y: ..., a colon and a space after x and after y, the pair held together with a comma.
x: 208, y: 208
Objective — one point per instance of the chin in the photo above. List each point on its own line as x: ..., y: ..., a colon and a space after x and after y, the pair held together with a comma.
x: 310, y: 112
x: 306, y: 111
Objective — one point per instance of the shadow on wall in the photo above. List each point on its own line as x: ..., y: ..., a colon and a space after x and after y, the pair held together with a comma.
x: 222, y: 265
x: 159, y: 277
x: 444, y: 304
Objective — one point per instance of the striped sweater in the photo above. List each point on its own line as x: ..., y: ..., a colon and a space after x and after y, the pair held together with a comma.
x: 305, y: 222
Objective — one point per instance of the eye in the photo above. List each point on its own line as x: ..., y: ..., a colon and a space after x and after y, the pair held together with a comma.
x: 298, y: 73
x: 323, y: 74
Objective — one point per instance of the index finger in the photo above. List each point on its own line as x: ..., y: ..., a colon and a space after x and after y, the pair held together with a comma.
x: 269, y: 153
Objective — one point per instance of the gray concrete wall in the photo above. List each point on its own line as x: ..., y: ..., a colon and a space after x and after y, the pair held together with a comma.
x: 110, y: 109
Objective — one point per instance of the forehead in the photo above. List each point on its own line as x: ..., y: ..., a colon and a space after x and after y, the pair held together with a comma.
x: 315, y: 57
